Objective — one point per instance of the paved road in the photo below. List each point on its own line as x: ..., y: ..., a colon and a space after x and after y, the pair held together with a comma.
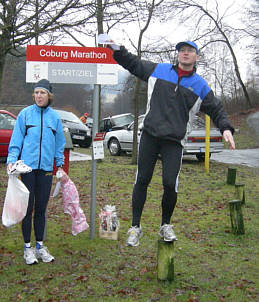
x: 247, y: 157
x: 75, y: 156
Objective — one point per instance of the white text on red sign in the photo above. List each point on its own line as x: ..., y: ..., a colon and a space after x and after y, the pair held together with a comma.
x: 47, y: 53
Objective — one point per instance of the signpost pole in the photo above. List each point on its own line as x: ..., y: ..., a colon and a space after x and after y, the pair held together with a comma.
x: 94, y: 162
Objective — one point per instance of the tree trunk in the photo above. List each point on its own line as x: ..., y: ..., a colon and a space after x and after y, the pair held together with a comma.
x: 165, y: 260
x: 231, y: 177
x: 236, y: 217
x: 135, y: 130
x: 239, y: 76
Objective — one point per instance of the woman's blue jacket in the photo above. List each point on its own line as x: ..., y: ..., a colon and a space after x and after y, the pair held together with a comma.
x: 37, y: 138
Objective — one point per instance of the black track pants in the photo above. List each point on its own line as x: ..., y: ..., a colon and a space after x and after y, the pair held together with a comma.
x: 38, y: 182
x: 171, y: 155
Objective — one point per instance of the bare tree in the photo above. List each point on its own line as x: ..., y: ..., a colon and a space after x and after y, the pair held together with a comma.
x: 136, y: 91
x: 22, y: 21
x: 143, y: 13
x: 209, y: 27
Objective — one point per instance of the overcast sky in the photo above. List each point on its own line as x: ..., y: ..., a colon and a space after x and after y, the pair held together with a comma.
x: 175, y: 33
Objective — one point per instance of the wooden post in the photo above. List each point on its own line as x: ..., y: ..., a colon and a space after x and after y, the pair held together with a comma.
x: 231, y: 177
x: 240, y: 192
x: 165, y: 260
x: 236, y: 217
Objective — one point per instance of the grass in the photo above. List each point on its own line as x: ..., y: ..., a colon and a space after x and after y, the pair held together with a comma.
x: 211, y: 264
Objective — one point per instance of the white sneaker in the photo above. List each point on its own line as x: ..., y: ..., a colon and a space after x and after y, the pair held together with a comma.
x: 166, y: 231
x: 134, y: 234
x: 29, y: 255
x: 43, y: 254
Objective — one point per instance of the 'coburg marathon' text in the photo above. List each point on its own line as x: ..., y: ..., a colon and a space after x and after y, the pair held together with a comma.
x: 73, y: 54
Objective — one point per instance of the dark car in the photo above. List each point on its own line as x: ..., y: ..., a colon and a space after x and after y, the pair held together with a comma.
x: 116, y: 122
x: 80, y: 133
x: 7, y: 121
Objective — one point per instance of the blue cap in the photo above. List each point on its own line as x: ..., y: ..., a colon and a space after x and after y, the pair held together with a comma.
x: 190, y: 43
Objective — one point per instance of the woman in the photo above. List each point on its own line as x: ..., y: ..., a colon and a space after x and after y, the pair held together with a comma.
x: 38, y: 139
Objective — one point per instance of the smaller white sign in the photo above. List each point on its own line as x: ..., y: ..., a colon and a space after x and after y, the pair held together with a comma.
x: 105, y: 39
x: 107, y: 74
x: 36, y: 71
x: 98, y: 150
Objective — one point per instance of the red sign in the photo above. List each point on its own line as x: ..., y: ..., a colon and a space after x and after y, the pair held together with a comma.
x: 45, y: 53
x: 99, y: 136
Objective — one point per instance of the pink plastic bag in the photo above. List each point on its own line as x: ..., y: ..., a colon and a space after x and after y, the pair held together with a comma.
x: 16, y: 201
x: 71, y: 205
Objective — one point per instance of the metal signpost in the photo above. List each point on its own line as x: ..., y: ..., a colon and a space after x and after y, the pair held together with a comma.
x: 75, y: 65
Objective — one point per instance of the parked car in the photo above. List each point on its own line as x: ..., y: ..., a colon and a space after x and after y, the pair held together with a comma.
x: 118, y: 141
x: 122, y: 140
x: 7, y: 121
x: 116, y: 122
x: 80, y: 133
x: 195, y: 142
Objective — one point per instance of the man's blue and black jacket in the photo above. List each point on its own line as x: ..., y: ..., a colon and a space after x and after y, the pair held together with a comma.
x: 172, y: 101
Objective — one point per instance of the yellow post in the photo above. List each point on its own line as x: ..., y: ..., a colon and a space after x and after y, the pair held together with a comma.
x: 207, y: 144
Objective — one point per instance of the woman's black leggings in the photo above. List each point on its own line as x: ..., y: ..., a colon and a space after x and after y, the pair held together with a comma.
x: 171, y: 155
x: 38, y: 182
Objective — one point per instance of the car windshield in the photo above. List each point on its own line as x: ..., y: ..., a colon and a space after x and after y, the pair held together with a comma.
x: 123, y: 120
x: 68, y: 116
x: 140, y: 123
x: 6, y: 121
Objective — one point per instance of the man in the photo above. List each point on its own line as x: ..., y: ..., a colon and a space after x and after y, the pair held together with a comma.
x: 175, y: 95
x: 83, y: 118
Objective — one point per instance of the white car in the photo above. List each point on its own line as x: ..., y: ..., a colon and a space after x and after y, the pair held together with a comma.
x: 195, y: 141
x: 119, y: 141
x: 116, y: 122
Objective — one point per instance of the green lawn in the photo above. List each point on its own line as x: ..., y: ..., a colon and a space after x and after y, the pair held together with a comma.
x: 211, y: 264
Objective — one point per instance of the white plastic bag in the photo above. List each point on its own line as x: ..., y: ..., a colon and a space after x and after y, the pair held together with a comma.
x: 57, y: 189
x: 16, y: 201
